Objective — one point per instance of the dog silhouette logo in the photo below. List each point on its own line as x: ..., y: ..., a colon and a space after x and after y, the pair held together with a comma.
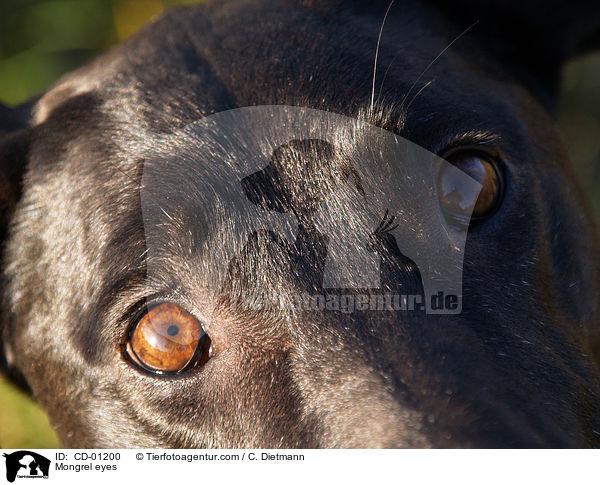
x: 26, y: 464
x: 282, y: 187
x: 301, y: 175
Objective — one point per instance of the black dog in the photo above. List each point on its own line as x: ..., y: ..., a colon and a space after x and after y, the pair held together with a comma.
x: 81, y: 309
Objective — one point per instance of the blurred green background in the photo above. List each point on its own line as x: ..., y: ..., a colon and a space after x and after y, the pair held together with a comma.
x: 42, y: 39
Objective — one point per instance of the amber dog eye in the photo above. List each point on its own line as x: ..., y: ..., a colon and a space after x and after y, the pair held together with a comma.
x: 167, y: 339
x: 458, y: 199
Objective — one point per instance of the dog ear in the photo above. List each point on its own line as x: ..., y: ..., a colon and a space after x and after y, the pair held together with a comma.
x: 15, y: 138
x: 533, y: 39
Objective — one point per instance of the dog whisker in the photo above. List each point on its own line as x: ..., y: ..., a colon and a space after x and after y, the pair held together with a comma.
x: 418, y: 92
x: 442, y: 52
x: 377, y: 53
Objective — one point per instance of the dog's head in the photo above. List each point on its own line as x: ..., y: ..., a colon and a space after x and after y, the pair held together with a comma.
x: 106, y: 314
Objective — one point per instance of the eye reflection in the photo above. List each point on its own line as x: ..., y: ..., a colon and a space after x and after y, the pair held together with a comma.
x: 461, y: 202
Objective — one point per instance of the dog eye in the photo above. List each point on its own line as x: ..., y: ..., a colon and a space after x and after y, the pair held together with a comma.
x: 168, y: 339
x: 459, y: 199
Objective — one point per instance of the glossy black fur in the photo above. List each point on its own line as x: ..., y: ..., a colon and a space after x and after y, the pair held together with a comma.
x: 515, y: 369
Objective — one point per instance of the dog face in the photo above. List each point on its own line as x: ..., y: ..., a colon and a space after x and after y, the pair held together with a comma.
x: 514, y: 368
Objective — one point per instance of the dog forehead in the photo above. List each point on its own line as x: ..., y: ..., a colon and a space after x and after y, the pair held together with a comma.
x: 195, y: 74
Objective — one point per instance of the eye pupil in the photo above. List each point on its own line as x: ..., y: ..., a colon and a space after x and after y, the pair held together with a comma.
x: 168, y: 339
